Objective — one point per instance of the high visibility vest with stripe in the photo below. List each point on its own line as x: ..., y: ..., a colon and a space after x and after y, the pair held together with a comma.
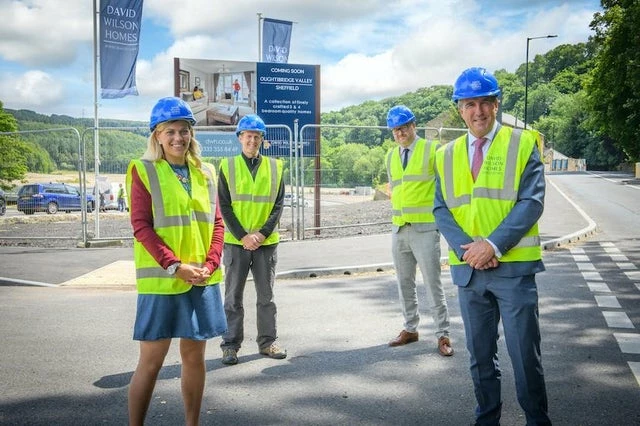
x: 412, y: 189
x: 252, y: 200
x: 481, y: 206
x: 184, y: 223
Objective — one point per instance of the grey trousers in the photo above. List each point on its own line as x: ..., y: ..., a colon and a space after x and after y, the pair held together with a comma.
x: 411, y: 247
x: 262, y: 263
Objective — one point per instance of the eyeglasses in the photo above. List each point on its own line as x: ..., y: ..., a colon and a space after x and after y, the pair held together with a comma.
x: 404, y: 128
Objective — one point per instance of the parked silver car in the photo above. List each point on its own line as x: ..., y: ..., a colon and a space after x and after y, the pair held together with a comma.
x: 291, y: 200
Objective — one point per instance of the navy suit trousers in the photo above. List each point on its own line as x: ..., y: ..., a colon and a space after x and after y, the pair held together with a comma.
x: 486, y: 300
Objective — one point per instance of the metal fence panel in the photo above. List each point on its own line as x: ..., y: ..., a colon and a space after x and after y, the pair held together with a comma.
x: 331, y: 186
x: 316, y: 191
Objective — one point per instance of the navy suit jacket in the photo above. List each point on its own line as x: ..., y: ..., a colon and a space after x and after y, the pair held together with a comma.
x: 524, y: 214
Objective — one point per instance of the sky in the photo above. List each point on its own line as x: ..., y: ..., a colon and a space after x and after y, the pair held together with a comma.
x: 367, y: 49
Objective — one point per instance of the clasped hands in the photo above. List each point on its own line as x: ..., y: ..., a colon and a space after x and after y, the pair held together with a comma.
x: 480, y: 255
x: 193, y: 275
x: 252, y: 241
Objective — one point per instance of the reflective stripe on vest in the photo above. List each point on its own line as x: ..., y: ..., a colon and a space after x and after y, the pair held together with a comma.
x: 252, y: 199
x: 508, y: 191
x: 187, y: 235
x: 412, y: 189
x: 481, y: 206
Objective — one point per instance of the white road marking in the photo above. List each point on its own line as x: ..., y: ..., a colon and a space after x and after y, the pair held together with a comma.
x: 627, y: 266
x: 591, y: 276
x: 617, y: 319
x: 599, y: 287
x: 607, y: 301
x: 629, y: 342
x: 633, y: 275
x: 619, y: 258
x: 635, y: 369
x: 586, y: 266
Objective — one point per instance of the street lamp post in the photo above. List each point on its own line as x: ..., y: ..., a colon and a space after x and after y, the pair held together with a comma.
x: 526, y: 74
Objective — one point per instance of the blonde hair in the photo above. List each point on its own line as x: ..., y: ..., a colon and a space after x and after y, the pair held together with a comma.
x: 155, y: 152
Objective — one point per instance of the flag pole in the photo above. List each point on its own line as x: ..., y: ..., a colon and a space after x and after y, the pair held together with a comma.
x: 96, y: 145
x: 259, y: 37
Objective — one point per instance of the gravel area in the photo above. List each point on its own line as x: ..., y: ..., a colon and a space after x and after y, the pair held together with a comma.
x: 342, y: 217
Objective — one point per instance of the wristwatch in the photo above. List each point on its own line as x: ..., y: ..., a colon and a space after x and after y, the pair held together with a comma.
x: 173, y: 268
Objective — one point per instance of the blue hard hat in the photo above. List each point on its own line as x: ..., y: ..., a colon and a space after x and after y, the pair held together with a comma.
x: 475, y: 82
x: 398, y: 116
x: 170, y: 109
x: 251, y: 122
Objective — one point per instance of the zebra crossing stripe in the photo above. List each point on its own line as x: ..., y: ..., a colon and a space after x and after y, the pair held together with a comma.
x: 629, y: 343
x: 619, y: 258
x: 599, y: 287
x: 626, y: 266
x: 607, y: 301
x: 633, y: 275
x: 617, y: 319
x: 591, y: 276
x: 635, y: 369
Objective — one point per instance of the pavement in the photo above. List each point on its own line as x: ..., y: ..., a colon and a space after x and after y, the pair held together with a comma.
x: 73, y: 363
x: 562, y: 222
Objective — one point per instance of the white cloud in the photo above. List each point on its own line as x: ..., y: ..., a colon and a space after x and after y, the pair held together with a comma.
x: 368, y: 49
x: 44, y: 32
x: 435, y: 51
x: 33, y: 88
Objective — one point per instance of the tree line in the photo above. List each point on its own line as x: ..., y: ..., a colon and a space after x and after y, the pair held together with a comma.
x: 583, y: 97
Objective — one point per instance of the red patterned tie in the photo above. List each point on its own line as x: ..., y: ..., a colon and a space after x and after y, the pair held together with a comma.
x: 478, y: 157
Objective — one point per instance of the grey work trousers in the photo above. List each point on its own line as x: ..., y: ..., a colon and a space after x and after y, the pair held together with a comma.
x: 262, y: 263
x: 411, y: 247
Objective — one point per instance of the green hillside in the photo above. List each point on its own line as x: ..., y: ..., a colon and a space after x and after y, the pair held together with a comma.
x: 583, y: 97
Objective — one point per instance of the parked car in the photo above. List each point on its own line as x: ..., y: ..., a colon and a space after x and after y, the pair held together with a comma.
x: 11, y: 196
x: 3, y: 203
x: 291, y: 200
x: 51, y: 197
x: 111, y: 197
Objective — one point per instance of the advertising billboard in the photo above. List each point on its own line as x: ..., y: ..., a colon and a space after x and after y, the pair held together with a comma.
x: 221, y: 92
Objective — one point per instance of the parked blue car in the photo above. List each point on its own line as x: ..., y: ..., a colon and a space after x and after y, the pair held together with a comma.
x: 51, y: 197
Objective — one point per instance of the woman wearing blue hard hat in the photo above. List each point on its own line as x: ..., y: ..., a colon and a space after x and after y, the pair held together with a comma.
x: 490, y: 189
x: 178, y: 232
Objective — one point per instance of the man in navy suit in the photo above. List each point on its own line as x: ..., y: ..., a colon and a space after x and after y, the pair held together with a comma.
x: 489, y: 196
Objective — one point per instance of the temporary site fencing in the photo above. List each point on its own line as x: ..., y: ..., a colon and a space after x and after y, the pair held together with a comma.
x: 315, y: 185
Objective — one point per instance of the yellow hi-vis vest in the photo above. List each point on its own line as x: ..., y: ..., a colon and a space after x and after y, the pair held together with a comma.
x: 412, y: 189
x: 184, y: 223
x: 252, y: 200
x: 481, y: 206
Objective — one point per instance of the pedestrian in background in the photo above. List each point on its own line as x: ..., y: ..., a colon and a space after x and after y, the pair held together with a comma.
x: 236, y: 90
x: 121, y: 195
x: 178, y: 234
x: 102, y: 204
x: 415, y: 236
x: 251, y: 194
x: 489, y: 197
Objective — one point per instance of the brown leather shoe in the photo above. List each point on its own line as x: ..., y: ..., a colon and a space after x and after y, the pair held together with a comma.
x: 404, y: 338
x: 444, y: 346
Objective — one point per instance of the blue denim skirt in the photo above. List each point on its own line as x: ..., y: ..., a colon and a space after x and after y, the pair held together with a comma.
x: 197, y: 315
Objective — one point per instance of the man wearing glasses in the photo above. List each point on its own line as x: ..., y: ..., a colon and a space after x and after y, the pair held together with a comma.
x: 415, y: 236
